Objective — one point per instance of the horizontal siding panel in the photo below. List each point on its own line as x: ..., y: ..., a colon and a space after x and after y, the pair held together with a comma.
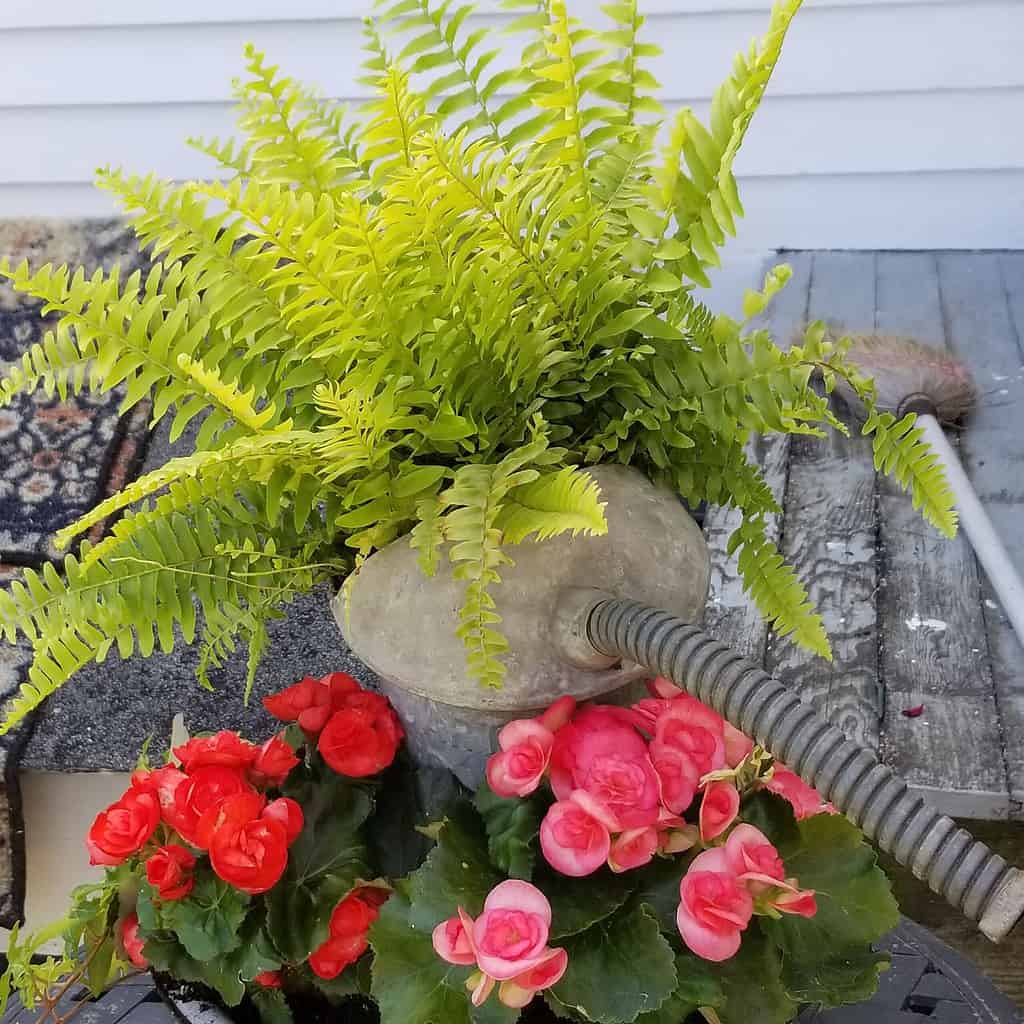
x: 789, y: 136
x: 959, y: 210
x: 30, y: 14
x: 838, y: 50
x: 845, y: 50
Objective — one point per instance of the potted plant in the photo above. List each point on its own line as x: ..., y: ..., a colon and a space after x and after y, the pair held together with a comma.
x: 617, y: 864
x: 424, y: 325
x: 416, y: 332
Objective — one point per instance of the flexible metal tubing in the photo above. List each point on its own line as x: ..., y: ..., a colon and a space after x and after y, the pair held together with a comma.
x: 946, y: 857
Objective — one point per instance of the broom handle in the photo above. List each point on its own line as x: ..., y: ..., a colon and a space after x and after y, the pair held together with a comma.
x: 991, y: 552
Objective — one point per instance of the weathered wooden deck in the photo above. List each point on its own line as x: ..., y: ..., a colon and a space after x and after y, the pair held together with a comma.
x: 912, y: 617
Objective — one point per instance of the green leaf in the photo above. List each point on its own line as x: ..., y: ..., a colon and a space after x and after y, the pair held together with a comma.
x: 272, y: 1006
x: 333, y: 810
x: 412, y: 984
x: 618, y: 968
x: 165, y: 953
x: 658, y: 888
x: 324, y: 863
x: 698, y: 986
x: 457, y: 873
x: 512, y: 826
x: 773, y: 815
x: 208, y: 921
x: 578, y: 903
x: 828, y: 958
x: 255, y: 953
x: 752, y: 984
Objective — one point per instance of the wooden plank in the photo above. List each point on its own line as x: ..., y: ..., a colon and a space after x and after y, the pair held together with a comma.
x: 730, y: 615
x: 828, y: 532
x: 933, y: 652
x: 983, y: 304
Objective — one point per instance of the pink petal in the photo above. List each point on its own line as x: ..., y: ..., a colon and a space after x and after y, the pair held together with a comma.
x: 448, y: 948
x: 718, y: 810
x: 502, y: 970
x: 525, y: 730
x: 716, y: 860
x: 705, y: 942
x: 595, y: 809
x: 558, y: 714
x: 482, y: 987
x: 503, y: 782
x: 802, y: 902
x: 518, y: 991
x: 517, y: 895
x: 633, y: 849
x: 664, y: 688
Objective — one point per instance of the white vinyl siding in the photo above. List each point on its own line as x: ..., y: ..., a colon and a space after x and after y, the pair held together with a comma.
x: 888, y: 125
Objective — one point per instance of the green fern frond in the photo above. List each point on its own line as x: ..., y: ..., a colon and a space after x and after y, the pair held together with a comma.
x: 901, y: 452
x: 775, y: 588
x: 461, y: 85
x: 395, y: 119
x: 629, y: 85
x: 249, y: 459
x: 707, y: 201
x: 565, y: 501
x: 146, y: 583
x: 427, y: 535
x: 292, y: 136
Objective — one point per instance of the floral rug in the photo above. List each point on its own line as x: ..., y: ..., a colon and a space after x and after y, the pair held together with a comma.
x: 57, y: 459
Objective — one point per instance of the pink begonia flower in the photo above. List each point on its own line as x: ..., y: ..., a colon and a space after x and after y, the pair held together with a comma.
x: 518, y: 768
x: 601, y: 752
x: 575, y: 835
x: 737, y: 745
x: 714, y: 907
x: 758, y: 865
x: 804, y: 800
x: 508, y: 943
x: 677, y: 776
x: 718, y: 809
x: 633, y: 849
x: 694, y: 729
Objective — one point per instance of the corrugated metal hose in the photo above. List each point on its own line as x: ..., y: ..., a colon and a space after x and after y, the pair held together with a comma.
x: 946, y: 857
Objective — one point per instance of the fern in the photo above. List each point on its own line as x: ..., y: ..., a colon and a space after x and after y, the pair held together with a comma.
x: 423, y: 321
x: 775, y: 588
x: 901, y: 453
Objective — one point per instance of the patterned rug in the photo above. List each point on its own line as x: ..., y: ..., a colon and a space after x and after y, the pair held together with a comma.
x: 57, y: 459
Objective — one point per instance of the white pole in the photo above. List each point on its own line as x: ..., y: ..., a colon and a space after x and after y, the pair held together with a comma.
x: 994, y: 557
